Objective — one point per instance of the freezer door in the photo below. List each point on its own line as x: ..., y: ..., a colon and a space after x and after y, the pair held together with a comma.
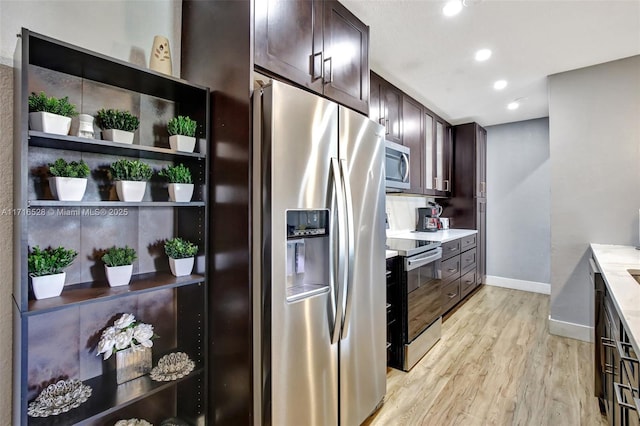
x: 300, y: 364
x: 363, y: 343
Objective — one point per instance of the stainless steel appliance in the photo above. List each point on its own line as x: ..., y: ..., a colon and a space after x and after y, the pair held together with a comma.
x: 318, y: 260
x: 429, y: 218
x: 396, y: 159
x: 420, y: 299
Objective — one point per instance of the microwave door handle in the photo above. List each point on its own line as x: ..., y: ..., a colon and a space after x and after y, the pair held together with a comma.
x: 405, y: 160
x: 340, y: 273
x: 350, y: 248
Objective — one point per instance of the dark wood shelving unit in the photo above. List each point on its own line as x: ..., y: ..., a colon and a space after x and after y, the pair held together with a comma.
x: 48, y: 140
x: 56, y: 338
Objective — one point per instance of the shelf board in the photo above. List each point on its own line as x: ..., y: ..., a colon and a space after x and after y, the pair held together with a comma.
x: 99, y: 291
x: 108, y: 397
x: 48, y: 140
x: 107, y: 204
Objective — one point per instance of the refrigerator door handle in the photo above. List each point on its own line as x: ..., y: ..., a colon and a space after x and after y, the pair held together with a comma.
x: 339, y: 275
x: 350, y: 248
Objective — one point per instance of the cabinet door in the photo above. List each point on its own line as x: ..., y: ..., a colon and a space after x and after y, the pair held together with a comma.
x: 375, y: 100
x: 413, y: 137
x: 441, y: 185
x: 482, y: 240
x: 429, y: 154
x: 481, y: 161
x: 392, y: 110
x: 288, y: 40
x: 345, y: 57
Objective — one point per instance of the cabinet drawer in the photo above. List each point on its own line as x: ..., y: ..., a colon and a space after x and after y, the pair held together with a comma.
x: 450, y: 268
x: 450, y: 295
x: 450, y: 248
x: 467, y: 282
x: 468, y: 242
x: 468, y: 261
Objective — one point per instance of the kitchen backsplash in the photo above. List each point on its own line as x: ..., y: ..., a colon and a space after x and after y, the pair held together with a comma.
x: 401, y: 211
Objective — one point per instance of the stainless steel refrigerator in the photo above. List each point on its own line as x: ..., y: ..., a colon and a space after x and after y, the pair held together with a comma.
x: 318, y: 261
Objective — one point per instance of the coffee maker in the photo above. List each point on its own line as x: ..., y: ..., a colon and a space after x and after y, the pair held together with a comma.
x: 428, y: 218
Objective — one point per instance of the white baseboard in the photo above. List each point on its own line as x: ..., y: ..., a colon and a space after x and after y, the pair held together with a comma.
x: 532, y: 286
x: 571, y: 330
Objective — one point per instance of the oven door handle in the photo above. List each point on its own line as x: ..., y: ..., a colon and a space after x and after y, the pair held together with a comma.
x: 414, y: 262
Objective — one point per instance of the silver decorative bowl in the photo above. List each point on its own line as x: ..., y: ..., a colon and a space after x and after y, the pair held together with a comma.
x: 59, y: 398
x: 133, y: 422
x: 172, y: 366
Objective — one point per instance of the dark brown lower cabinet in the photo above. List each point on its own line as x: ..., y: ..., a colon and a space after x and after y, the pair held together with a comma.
x: 459, y: 271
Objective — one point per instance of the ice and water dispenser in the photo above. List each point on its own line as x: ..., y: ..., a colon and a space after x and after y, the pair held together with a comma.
x: 308, y: 263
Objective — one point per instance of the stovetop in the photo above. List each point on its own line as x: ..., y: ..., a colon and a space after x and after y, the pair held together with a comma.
x: 406, y: 247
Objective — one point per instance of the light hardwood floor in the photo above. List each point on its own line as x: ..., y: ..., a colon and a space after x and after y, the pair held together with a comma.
x: 496, y: 364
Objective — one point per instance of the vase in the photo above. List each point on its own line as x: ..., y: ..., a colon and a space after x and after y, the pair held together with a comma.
x: 129, y: 190
x: 67, y: 188
x: 118, y: 275
x: 161, y: 55
x: 182, y: 143
x: 85, y: 126
x: 181, y: 267
x: 115, y: 135
x: 180, y: 192
x: 47, y: 286
x: 132, y: 363
x: 49, y: 123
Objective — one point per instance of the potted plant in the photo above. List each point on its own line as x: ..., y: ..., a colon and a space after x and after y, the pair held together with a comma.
x: 117, y: 125
x: 180, y: 184
x: 130, y: 340
x: 118, y: 265
x: 131, y: 178
x: 181, y: 255
x: 50, y: 114
x: 182, y: 131
x: 69, y: 180
x: 45, y: 269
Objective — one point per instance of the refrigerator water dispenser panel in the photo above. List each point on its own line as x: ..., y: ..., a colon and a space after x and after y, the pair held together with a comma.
x: 307, y: 253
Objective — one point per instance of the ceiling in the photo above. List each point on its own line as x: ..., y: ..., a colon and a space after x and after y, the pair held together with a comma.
x: 431, y: 57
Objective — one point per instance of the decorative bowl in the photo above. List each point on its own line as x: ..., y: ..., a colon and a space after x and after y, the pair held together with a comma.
x: 172, y: 366
x: 59, y: 398
x: 133, y: 422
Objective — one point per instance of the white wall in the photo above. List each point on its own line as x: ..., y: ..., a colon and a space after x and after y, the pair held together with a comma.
x: 594, y: 127
x: 122, y: 29
x: 518, y: 201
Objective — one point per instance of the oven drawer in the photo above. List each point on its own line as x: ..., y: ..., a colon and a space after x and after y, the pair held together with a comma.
x: 467, y: 282
x: 450, y: 248
x: 450, y: 268
x: 423, y: 307
x: 450, y: 295
x: 467, y: 261
x: 468, y: 242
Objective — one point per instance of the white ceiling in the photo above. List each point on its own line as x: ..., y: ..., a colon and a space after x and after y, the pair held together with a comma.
x: 430, y: 56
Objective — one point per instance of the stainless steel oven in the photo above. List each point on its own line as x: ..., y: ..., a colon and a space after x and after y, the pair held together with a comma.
x: 396, y: 165
x: 421, y: 292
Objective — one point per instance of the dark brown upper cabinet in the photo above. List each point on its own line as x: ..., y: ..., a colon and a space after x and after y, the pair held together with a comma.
x: 437, y: 155
x: 316, y: 44
x: 386, y: 107
x: 413, y: 137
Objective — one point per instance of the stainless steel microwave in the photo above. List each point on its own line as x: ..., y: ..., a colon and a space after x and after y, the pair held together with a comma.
x: 396, y: 164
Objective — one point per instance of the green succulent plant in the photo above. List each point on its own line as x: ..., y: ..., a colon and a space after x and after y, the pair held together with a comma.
x: 176, y: 174
x: 42, y: 103
x: 49, y: 261
x: 119, y: 256
x: 73, y: 169
x: 182, y: 125
x: 133, y: 170
x: 177, y: 248
x: 117, y: 119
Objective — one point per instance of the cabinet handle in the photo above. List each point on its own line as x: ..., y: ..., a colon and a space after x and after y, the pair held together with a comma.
x: 446, y: 185
x: 453, y: 248
x: 468, y: 281
x: 619, y: 398
x: 607, y: 342
x: 386, y: 126
x: 452, y: 270
x: 451, y: 295
x: 483, y: 188
x: 382, y: 121
x: 325, y: 73
x: 468, y: 259
x: 316, y: 71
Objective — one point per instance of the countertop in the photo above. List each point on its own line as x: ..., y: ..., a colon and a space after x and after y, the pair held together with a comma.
x: 442, y: 236
x: 613, y: 261
x: 391, y: 253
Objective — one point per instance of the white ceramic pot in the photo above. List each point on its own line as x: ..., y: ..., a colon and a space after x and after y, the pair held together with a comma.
x: 67, y: 189
x: 129, y: 190
x: 48, y: 285
x: 118, y: 275
x: 181, y: 267
x: 116, y: 135
x: 180, y: 192
x: 49, y: 123
x: 182, y: 143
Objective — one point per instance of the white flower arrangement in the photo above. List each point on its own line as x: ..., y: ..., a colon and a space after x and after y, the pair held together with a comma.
x: 125, y: 333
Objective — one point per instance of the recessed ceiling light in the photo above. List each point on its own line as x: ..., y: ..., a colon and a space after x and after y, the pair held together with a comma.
x: 452, y: 7
x: 500, y: 84
x: 483, y: 55
x: 513, y: 105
